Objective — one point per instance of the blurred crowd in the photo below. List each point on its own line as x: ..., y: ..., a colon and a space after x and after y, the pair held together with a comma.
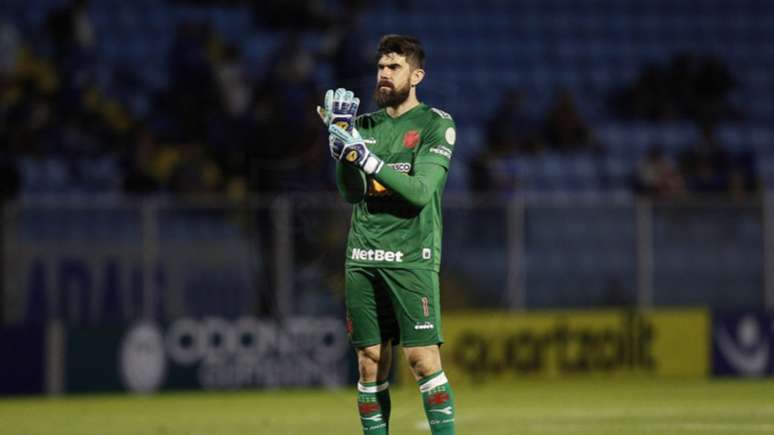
x: 706, y: 168
x: 218, y: 129
x: 689, y: 88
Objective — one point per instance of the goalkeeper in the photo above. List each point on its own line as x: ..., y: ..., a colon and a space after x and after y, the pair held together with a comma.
x: 392, y: 166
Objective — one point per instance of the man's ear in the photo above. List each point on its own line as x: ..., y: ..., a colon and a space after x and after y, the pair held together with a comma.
x: 416, y: 76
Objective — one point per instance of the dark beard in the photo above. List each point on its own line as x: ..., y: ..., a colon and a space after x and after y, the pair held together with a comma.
x: 393, y: 98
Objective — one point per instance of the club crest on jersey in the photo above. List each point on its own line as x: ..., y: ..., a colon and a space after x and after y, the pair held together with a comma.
x: 411, y: 139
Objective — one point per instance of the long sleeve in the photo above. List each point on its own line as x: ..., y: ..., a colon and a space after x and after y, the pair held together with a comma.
x: 350, y: 182
x: 418, y: 189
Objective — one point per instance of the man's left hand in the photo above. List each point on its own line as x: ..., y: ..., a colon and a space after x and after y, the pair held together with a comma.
x: 340, y: 108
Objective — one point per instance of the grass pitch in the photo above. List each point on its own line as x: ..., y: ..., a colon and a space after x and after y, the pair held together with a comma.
x: 595, y: 407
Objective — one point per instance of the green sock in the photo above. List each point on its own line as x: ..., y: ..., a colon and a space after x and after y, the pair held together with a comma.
x: 438, y: 398
x: 373, y: 403
x: 383, y: 397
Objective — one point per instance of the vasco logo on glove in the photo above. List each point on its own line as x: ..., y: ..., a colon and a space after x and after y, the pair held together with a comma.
x: 343, y: 124
x: 352, y: 156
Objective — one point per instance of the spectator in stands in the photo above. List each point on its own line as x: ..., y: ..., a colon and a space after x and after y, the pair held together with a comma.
x: 10, y: 180
x: 648, y: 98
x: 70, y: 29
x: 10, y: 47
x: 297, y: 15
x: 33, y: 126
x: 565, y: 129
x: 29, y: 82
x: 193, y: 93
x: 260, y: 157
x: 138, y: 179
x: 657, y: 177
x: 347, y: 49
x: 73, y: 42
x: 296, y: 134
x: 706, y: 165
x: 688, y: 88
x: 231, y: 127
x: 737, y: 184
x: 510, y: 131
x: 703, y: 176
x: 195, y: 173
x: 744, y: 179
x: 232, y: 82
x: 700, y: 86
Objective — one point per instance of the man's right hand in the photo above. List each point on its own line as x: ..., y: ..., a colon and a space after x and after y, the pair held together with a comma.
x: 355, y: 151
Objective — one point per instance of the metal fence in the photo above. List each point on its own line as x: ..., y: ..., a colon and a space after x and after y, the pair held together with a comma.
x: 113, y: 262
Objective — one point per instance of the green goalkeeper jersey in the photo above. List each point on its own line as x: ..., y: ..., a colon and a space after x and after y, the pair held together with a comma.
x: 396, y: 219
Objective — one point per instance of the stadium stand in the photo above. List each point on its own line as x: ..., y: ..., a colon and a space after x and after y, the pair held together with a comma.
x: 178, y: 98
x: 477, y: 52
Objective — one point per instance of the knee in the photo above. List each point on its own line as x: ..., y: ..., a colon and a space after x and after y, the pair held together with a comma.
x: 368, y: 365
x: 423, y: 365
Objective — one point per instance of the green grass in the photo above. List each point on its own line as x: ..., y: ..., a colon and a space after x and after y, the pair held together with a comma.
x: 596, y: 407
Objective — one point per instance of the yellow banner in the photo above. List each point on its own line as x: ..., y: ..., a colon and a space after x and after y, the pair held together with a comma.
x: 501, y: 346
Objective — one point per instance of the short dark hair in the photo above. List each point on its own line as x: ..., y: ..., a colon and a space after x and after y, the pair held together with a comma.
x: 403, y: 45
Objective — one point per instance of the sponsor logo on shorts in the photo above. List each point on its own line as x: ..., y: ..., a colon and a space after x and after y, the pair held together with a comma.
x: 424, y: 326
x: 377, y: 255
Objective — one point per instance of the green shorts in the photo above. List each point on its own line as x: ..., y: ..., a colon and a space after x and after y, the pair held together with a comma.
x: 401, y: 305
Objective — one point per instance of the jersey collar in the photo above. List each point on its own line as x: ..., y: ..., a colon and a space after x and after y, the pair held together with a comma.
x: 410, y: 114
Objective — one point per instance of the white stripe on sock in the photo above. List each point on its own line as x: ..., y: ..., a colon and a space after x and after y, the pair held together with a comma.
x: 373, y: 388
x: 433, y: 383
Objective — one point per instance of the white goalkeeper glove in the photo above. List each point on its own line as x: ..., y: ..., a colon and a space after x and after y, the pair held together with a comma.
x: 340, y: 108
x: 355, y: 150
x: 336, y: 145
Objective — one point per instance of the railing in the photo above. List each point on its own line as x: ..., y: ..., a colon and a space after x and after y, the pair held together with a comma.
x: 95, y: 263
